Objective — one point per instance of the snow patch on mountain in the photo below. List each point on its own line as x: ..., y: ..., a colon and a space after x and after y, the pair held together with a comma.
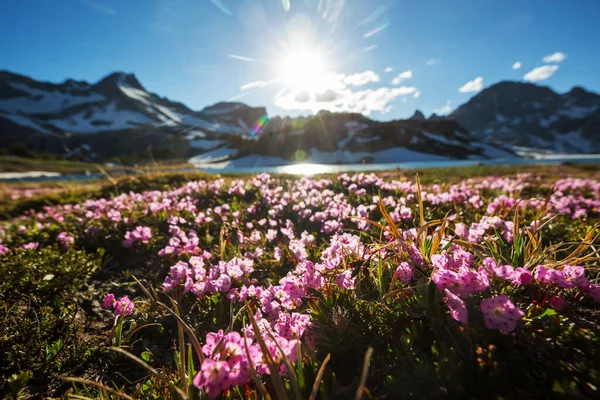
x: 107, y: 118
x: 577, y: 112
x: 44, y: 102
x: 24, y: 121
x: 220, y: 154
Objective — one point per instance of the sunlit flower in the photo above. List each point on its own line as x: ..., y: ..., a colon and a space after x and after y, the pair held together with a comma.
x: 500, y: 313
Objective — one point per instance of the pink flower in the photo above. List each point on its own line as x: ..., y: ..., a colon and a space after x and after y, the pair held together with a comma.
x: 542, y: 275
x: 594, y: 291
x: 558, y: 278
x: 558, y: 303
x: 140, y: 233
x: 500, y: 313
x: 575, y: 276
x: 123, y: 306
x: 278, y: 253
x: 212, y: 339
x: 213, y: 377
x: 109, y: 300
x: 461, y: 230
x: 30, y: 246
x: 65, y: 240
x: 404, y: 272
x: 345, y: 280
x: 501, y: 271
x: 457, y: 307
x: 522, y: 276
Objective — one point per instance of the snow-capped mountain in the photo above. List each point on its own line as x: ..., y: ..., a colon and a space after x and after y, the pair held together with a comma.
x: 352, y: 138
x: 528, y: 116
x: 117, y: 102
x: 118, y: 117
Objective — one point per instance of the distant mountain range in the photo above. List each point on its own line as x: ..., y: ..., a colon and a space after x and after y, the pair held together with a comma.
x: 118, y: 118
x: 531, y: 116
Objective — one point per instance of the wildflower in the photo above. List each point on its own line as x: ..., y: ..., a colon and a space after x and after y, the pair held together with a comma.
x: 522, y: 276
x: 461, y: 230
x: 123, y: 306
x: 140, y: 233
x: 65, y: 240
x: 500, y: 313
x: 212, y: 339
x: 503, y: 271
x: 594, y: 291
x: 213, y: 377
x: 278, y: 253
x: 404, y: 272
x: 345, y: 280
x: 457, y: 307
x: 575, y: 276
x: 30, y: 246
x: 542, y: 275
x: 109, y: 300
x: 558, y: 303
x: 271, y: 235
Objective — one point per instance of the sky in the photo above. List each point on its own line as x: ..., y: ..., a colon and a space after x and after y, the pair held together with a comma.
x: 382, y: 58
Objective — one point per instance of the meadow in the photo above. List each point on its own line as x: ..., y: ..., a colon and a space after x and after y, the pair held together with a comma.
x: 477, y: 282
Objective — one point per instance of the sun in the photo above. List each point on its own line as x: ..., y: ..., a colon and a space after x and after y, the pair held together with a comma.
x: 303, y: 70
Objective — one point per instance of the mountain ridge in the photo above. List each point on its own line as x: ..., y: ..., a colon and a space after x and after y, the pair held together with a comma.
x: 533, y: 116
x: 118, y: 109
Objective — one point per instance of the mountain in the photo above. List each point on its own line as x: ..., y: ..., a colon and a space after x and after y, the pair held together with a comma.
x: 418, y: 115
x: 353, y: 138
x: 116, y: 102
x: 117, y: 117
x: 526, y: 116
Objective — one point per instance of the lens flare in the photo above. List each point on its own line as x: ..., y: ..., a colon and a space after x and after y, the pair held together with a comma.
x: 259, y: 125
x: 376, y: 30
x: 303, y: 70
x: 223, y: 7
x: 242, y: 58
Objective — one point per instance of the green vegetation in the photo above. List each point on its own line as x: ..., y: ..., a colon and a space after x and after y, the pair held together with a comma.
x: 350, y: 299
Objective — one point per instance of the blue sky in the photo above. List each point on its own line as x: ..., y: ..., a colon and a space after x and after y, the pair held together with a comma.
x: 203, y: 51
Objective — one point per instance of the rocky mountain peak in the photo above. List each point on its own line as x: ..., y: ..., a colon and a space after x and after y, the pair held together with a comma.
x: 112, y: 82
x: 418, y: 116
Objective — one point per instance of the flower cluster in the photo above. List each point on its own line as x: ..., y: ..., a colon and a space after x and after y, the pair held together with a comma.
x: 229, y: 356
x: 139, y: 234
x: 280, y: 246
x: 122, y: 306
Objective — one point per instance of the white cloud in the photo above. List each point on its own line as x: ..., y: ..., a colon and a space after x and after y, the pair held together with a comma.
x: 555, y: 58
x: 444, y: 110
x: 345, y: 100
x: 431, y: 62
x: 402, y: 76
x: 336, y: 93
x: 472, y: 86
x: 416, y: 94
x: 361, y: 78
x: 540, y: 73
x: 388, y: 70
x: 517, y: 65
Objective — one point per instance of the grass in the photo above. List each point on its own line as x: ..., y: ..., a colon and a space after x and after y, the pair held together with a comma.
x: 22, y: 164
